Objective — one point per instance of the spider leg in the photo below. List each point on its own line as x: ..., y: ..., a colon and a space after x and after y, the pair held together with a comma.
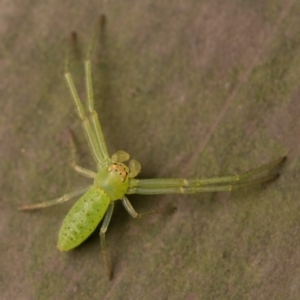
x: 88, y: 131
x: 212, y: 184
x: 78, y: 169
x: 59, y: 200
x: 103, y: 230
x: 128, y: 206
x: 179, y: 189
x: 90, y: 97
x: 169, y: 182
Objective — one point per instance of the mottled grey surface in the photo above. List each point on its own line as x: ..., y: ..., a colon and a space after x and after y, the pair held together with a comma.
x: 188, y: 88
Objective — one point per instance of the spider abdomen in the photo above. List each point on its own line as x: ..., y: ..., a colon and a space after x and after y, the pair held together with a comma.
x: 83, y: 218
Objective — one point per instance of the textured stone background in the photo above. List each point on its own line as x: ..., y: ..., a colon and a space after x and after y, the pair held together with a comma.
x: 189, y: 88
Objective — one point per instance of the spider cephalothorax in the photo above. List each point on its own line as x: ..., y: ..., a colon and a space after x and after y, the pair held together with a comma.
x: 119, y: 169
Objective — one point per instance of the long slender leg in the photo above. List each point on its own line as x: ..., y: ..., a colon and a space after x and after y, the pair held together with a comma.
x: 179, y: 189
x: 91, y: 139
x: 103, y: 230
x: 89, y: 134
x: 59, y: 200
x: 217, y: 180
x: 78, y: 169
x: 90, y: 97
x: 126, y: 203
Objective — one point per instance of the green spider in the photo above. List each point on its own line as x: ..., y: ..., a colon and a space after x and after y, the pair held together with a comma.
x: 114, y: 180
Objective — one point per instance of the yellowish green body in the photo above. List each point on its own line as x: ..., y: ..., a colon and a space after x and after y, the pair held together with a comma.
x: 110, y: 184
x: 82, y: 219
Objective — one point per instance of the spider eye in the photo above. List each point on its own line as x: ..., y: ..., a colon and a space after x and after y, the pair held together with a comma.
x: 119, y: 169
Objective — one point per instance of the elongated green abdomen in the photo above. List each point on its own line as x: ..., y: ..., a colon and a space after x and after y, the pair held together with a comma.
x: 82, y: 219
